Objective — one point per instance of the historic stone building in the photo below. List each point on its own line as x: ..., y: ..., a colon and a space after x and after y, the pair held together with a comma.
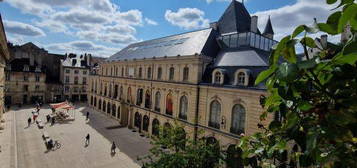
x: 203, y: 80
x: 75, y: 71
x: 4, y: 56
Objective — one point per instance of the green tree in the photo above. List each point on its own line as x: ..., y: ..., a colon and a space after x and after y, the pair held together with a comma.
x: 314, y: 99
x: 173, y: 149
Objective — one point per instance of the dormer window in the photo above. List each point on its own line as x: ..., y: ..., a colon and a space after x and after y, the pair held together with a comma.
x: 217, y: 77
x: 26, y: 68
x: 242, y: 77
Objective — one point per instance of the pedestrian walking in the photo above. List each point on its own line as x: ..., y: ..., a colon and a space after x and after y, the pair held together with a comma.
x: 48, y: 118
x: 29, y: 121
x: 87, y: 115
x: 53, y: 121
x: 87, y: 140
x: 113, y: 148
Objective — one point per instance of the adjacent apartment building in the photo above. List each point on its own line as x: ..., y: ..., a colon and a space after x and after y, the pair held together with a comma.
x: 203, y: 80
x: 4, y: 56
x: 75, y: 71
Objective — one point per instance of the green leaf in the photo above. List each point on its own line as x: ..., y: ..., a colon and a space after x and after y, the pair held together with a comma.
x: 292, y: 120
x: 274, y: 58
x: 298, y: 30
x: 306, y: 64
x: 344, y: 2
x: 331, y: 25
x: 351, y: 47
x: 331, y: 1
x: 346, y: 59
x: 348, y: 15
x: 287, y: 72
x: 305, y: 106
x: 308, y: 41
x: 311, y: 140
x: 265, y: 74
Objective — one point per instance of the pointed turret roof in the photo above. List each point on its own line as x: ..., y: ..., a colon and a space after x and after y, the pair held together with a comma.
x: 236, y: 18
x: 268, y: 28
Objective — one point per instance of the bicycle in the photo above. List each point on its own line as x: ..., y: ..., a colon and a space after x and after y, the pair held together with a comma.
x: 56, y: 145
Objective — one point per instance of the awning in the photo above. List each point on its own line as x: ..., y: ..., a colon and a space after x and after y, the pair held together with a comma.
x: 57, y: 105
x: 66, y: 107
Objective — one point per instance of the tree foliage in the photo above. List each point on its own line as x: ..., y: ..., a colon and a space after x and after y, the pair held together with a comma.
x: 173, y: 149
x: 315, y: 98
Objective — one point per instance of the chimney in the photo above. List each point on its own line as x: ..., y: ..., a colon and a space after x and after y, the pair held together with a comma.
x: 74, y: 62
x: 89, y: 57
x: 254, y: 24
x: 324, y: 40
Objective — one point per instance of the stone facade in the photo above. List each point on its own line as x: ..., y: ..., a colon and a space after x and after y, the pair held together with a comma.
x: 203, y: 80
x: 29, y: 78
x: 4, y: 56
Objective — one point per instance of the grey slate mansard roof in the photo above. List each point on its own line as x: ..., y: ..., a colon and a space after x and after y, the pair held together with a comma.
x: 185, y: 44
x: 242, y: 57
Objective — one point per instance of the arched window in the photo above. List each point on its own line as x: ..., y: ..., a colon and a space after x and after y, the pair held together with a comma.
x: 149, y: 73
x: 166, y: 130
x: 129, y: 95
x: 108, y: 108
x: 100, y: 104
x: 116, y: 71
x: 157, y: 101
x: 139, y: 97
x: 155, y: 127
x: 118, y: 115
x: 110, y: 90
x: 234, y: 158
x: 147, y: 99
x: 137, y: 122
x: 183, y: 108
x: 238, y: 119
x: 146, y: 121
x: 121, y: 92
x: 114, y: 110
x: 140, y: 72
x: 185, y: 74
x: 122, y: 71
x: 95, y: 102
x: 91, y: 100
x: 171, y: 73
x: 215, y: 114
x: 105, y: 90
x: 115, y: 92
x: 241, y: 78
x: 159, y: 73
x: 104, y: 105
x: 169, y: 104
x: 218, y: 77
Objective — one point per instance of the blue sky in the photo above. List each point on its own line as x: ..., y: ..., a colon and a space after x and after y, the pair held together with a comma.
x: 103, y: 27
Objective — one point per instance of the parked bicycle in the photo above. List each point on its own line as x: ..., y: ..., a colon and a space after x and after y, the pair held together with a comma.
x: 56, y: 145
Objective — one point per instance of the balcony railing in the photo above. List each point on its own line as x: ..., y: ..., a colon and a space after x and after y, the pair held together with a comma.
x: 214, y: 124
x: 237, y: 131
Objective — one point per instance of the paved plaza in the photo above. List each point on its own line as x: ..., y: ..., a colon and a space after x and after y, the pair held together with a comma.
x: 23, y: 146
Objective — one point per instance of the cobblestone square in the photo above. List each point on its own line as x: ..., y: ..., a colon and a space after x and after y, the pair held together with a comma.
x: 24, y: 147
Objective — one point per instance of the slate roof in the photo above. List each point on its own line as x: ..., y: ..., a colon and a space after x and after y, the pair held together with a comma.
x: 268, y: 28
x: 236, y: 18
x: 248, y: 57
x: 185, y: 44
x: 75, y: 62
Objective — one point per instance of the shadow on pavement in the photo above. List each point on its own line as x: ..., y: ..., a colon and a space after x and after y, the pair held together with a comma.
x: 106, y: 129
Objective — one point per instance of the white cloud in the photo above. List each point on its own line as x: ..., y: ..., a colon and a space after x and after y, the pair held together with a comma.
x: 80, y: 47
x: 20, y: 28
x: 286, y: 18
x: 151, y: 22
x: 187, y: 18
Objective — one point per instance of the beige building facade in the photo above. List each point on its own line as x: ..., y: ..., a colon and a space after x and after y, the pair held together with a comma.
x: 4, y: 56
x: 203, y: 80
x: 74, y: 76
